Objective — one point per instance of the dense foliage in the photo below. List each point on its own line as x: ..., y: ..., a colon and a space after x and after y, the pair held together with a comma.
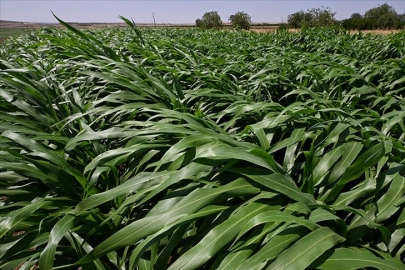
x: 382, y: 17
x: 190, y: 149
x: 315, y: 17
x: 209, y: 20
x: 240, y: 20
x: 381, y: 10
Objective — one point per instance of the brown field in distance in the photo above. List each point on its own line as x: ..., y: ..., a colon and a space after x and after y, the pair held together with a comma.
x: 274, y: 29
x: 7, y: 25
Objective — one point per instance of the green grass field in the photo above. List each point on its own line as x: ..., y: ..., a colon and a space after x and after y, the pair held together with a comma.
x: 190, y: 149
x: 5, y: 32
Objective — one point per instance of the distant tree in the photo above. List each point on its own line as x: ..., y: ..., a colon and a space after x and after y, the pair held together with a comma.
x: 381, y: 17
x: 377, y: 12
x: 400, y: 24
x: 198, y: 22
x: 316, y: 17
x: 295, y: 20
x: 241, y: 20
x: 387, y: 21
x: 356, y: 16
x: 384, y: 16
x: 356, y: 21
x: 322, y: 17
x: 210, y: 20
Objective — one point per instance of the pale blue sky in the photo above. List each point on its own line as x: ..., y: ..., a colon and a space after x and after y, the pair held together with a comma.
x: 172, y: 11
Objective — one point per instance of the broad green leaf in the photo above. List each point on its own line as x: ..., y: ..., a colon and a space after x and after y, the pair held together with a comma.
x: 14, y: 217
x: 273, y: 248
x: 345, y: 258
x: 276, y: 216
x: 282, y: 184
x: 217, y: 238
x: 365, y: 161
x: 324, y: 165
x: 305, y: 251
x: 351, y: 151
x: 190, y: 204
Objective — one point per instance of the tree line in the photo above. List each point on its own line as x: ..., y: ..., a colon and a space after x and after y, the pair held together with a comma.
x: 381, y: 17
x: 240, y: 20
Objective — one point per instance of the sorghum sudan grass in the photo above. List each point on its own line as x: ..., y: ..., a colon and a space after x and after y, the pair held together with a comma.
x: 191, y: 149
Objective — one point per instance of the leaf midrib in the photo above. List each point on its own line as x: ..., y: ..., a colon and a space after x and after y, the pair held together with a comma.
x: 299, y: 255
x: 216, y: 239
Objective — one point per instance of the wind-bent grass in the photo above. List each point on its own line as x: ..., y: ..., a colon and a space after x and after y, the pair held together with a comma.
x: 190, y: 149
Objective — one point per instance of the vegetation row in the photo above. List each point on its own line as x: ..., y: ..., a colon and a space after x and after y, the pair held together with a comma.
x: 381, y: 17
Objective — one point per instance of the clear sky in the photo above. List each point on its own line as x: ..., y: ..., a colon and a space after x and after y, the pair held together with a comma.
x: 173, y: 11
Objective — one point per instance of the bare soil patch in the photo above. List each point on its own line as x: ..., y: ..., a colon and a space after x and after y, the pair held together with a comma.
x: 381, y: 32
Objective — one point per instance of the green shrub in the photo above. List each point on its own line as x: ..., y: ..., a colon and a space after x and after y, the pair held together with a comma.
x: 381, y: 17
x: 240, y: 20
x: 316, y: 17
x: 283, y: 27
x: 210, y: 20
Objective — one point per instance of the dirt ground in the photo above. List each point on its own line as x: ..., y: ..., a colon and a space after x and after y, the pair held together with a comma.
x: 382, y: 32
